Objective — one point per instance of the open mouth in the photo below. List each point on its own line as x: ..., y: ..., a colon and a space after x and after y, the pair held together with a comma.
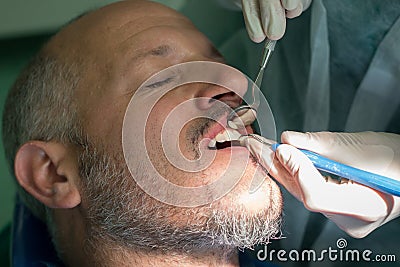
x: 226, y: 138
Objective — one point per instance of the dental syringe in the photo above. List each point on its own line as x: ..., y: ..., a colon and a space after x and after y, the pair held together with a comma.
x: 248, y: 112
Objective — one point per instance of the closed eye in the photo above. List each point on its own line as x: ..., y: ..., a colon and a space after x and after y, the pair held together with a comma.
x: 160, y: 83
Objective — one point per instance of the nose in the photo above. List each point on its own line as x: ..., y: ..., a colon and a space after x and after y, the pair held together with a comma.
x: 208, y: 95
x: 211, y: 83
x: 229, y: 87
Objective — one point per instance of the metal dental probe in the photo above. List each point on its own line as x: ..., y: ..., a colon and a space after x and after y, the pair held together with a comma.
x: 373, y: 180
x: 267, y: 52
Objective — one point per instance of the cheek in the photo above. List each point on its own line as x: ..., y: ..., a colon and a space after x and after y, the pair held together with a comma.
x: 105, y: 126
x: 169, y: 125
x: 160, y: 112
x: 156, y: 121
x: 167, y: 141
x: 158, y: 134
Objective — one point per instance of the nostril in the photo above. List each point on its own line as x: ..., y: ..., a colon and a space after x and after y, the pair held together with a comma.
x: 209, y: 95
x: 220, y: 96
x: 227, y: 98
x: 232, y: 99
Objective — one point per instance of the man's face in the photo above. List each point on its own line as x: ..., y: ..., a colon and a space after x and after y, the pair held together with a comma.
x: 130, y: 42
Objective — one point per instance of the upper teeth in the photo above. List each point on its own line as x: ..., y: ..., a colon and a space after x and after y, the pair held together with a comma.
x: 226, y: 135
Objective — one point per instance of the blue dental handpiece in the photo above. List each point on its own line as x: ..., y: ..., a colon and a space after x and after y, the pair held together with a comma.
x: 375, y: 181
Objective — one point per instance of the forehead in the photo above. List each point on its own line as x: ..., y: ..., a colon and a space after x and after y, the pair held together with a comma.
x: 123, y: 39
x: 120, y: 46
x: 101, y: 29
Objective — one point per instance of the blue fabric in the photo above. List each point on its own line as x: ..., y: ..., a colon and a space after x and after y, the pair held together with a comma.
x: 246, y: 259
x: 30, y: 242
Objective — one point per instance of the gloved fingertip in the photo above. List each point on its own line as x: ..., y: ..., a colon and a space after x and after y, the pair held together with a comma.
x: 255, y: 32
x: 284, y: 154
x: 244, y: 140
x: 274, y: 37
x: 358, y: 233
x: 295, y: 12
x: 291, y: 136
x: 253, y: 26
x: 244, y: 118
x: 276, y: 28
x: 232, y: 125
x: 257, y: 39
x: 290, y: 4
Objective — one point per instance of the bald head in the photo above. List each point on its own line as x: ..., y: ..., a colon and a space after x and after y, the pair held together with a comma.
x: 91, y: 67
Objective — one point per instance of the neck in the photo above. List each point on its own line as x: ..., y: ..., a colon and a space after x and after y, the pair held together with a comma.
x: 80, y: 250
x: 117, y: 256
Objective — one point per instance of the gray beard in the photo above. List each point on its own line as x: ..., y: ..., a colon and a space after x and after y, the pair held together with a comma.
x: 121, y: 213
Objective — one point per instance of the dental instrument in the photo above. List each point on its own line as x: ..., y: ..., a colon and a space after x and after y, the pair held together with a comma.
x: 375, y: 181
x: 239, y: 111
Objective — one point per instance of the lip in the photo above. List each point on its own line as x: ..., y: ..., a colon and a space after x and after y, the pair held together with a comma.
x: 213, y: 130
x: 221, y: 125
x: 233, y: 149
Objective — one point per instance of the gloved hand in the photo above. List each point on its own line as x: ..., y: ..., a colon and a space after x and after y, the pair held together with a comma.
x: 267, y: 18
x: 355, y: 208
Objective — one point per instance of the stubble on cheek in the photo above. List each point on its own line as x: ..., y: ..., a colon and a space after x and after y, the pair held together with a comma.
x: 185, y: 147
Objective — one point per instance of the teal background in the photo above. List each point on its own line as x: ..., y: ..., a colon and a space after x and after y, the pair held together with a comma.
x: 14, y: 54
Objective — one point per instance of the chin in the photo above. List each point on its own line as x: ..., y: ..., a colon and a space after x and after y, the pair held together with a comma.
x: 267, y: 195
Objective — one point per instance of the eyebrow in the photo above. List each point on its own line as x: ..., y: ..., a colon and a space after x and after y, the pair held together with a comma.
x: 162, y: 50
x: 165, y: 50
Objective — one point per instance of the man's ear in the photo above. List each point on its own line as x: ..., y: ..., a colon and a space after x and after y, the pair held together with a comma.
x: 49, y: 172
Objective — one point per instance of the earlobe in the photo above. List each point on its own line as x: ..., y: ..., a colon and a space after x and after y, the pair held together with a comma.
x: 47, y: 171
